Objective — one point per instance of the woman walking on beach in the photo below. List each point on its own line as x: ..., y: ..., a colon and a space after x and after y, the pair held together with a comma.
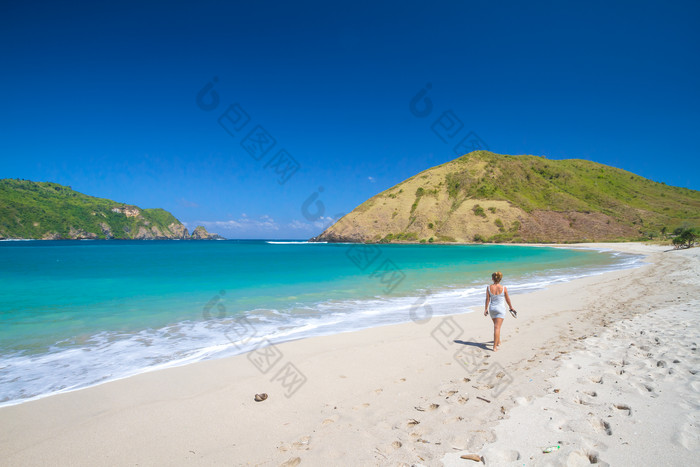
x: 496, y: 298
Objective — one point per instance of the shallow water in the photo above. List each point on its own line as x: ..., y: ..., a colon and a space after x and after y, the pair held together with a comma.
x: 73, y: 314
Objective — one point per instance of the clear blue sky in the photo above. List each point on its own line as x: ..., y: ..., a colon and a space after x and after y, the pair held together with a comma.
x: 102, y: 96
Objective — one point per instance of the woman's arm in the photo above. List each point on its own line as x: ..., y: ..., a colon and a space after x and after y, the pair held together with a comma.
x: 505, y: 291
x: 486, y: 305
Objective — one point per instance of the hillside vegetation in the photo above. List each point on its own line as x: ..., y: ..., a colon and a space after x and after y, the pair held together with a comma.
x: 44, y: 210
x: 483, y: 196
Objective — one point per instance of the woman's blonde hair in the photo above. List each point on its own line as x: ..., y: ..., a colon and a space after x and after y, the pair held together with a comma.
x: 497, y: 276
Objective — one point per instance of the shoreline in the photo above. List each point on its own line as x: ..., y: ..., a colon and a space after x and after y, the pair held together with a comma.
x: 554, y: 244
x: 443, y: 302
x: 99, y: 239
x: 360, y: 395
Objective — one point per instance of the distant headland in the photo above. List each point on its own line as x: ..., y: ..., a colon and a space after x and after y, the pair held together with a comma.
x: 49, y: 211
x: 485, y: 197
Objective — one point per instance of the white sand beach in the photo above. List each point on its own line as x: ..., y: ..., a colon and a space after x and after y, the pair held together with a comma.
x: 605, y: 367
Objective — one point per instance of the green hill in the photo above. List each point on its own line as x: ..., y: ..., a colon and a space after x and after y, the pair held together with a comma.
x: 483, y: 196
x: 44, y: 210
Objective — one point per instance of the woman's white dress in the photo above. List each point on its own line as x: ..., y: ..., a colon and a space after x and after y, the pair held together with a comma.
x: 497, y: 305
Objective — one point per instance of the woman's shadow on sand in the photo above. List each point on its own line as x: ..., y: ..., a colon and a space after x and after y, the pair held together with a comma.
x: 481, y: 345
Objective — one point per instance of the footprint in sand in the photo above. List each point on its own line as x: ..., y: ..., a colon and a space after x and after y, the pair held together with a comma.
x: 293, y: 462
x: 558, y: 424
x: 624, y: 408
x: 581, y: 457
x: 649, y: 390
x: 331, y: 419
x: 361, y: 406
x: 603, y: 426
x: 495, y: 456
x: 687, y: 436
x: 582, y: 401
x: 430, y: 407
x: 303, y: 443
x: 389, y: 448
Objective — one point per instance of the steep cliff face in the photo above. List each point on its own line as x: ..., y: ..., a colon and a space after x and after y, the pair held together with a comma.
x: 200, y: 233
x: 43, y: 210
x: 484, y: 196
x: 178, y: 230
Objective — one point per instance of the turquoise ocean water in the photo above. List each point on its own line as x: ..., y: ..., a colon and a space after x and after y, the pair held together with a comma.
x: 74, y: 314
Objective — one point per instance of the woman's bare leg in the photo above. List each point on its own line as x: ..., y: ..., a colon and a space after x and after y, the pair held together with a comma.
x: 497, y: 332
